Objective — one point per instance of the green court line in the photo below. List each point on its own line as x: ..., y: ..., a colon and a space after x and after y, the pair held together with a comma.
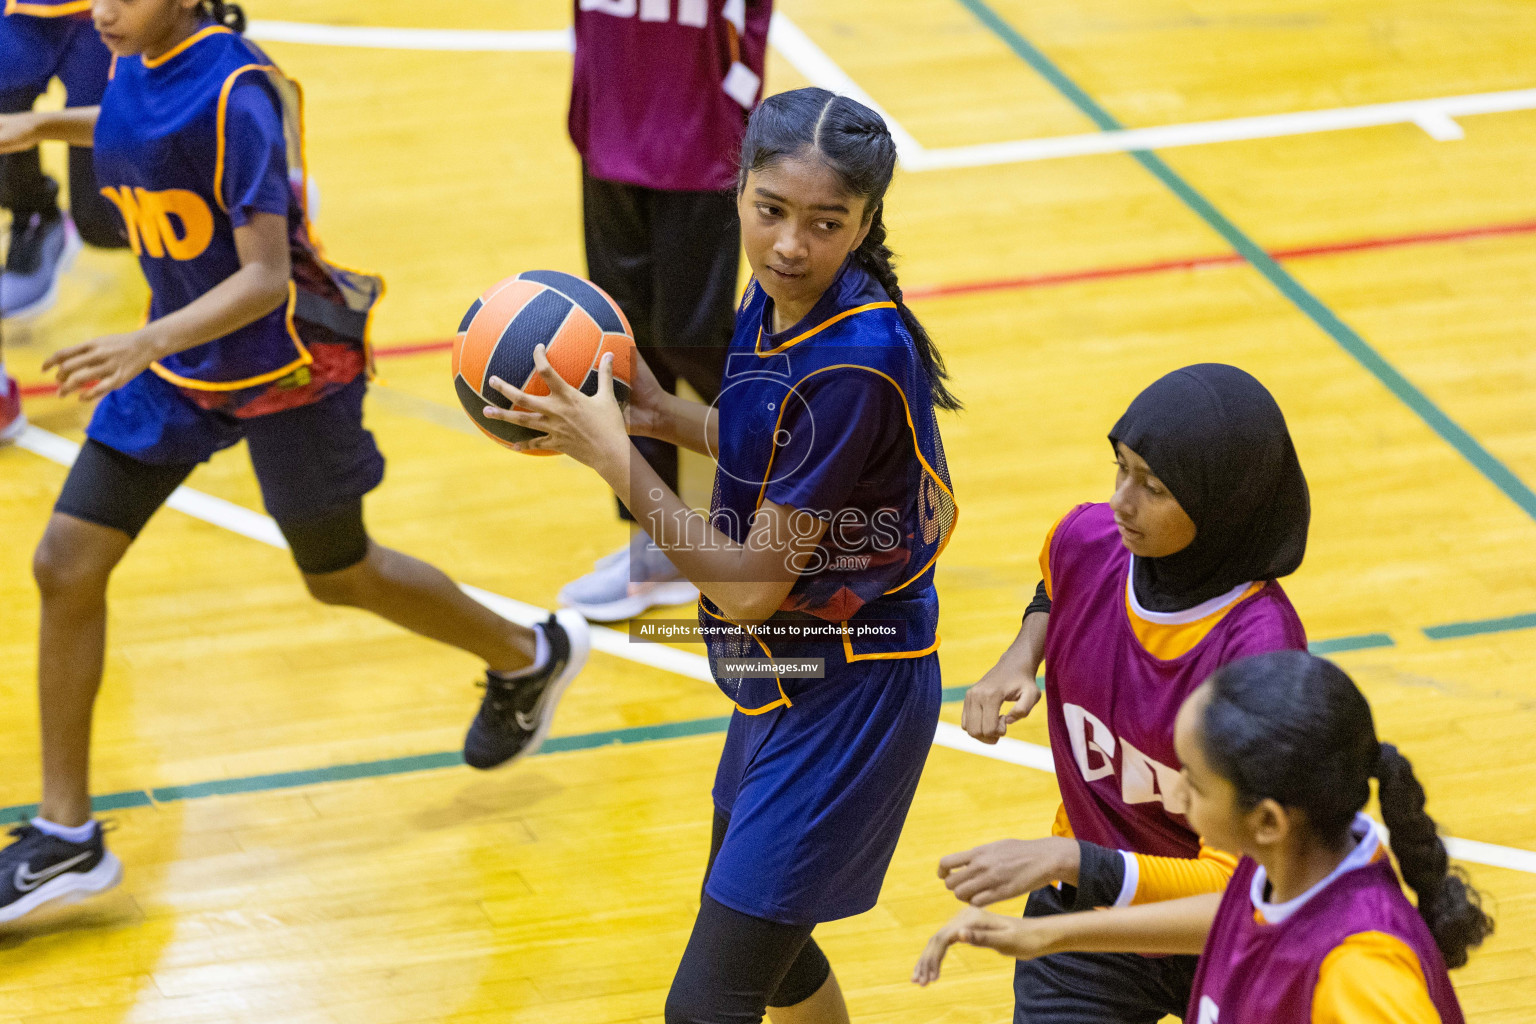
x: 1339, y: 645
x: 610, y: 737
x: 1507, y: 624
x: 1484, y: 461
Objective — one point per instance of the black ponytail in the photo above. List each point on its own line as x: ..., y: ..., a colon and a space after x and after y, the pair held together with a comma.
x: 229, y: 15
x: 1295, y: 729
x: 854, y: 141
x: 1449, y: 905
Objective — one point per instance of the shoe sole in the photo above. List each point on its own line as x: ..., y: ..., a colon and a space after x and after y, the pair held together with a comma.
x: 72, y: 247
x: 67, y: 888
x: 661, y: 595
x: 580, y: 639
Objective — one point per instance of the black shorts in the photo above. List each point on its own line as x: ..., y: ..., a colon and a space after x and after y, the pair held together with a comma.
x: 1096, y: 988
x: 314, y: 465
x: 670, y: 260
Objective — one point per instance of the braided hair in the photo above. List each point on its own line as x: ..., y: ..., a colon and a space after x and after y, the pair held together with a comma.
x: 855, y: 143
x: 229, y: 15
x: 1294, y: 728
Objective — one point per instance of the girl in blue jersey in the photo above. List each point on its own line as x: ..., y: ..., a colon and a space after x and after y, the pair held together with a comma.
x: 831, y: 505
x: 250, y: 335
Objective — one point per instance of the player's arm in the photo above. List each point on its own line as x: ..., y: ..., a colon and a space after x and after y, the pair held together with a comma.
x: 747, y: 581
x: 20, y: 132
x: 1179, y: 926
x: 1013, y: 677
x: 653, y: 412
x: 258, y: 287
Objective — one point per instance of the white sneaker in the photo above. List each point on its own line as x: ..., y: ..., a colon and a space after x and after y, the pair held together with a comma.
x: 625, y: 583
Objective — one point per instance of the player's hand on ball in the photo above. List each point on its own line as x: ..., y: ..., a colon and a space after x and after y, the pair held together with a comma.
x: 588, y: 429
x: 1019, y: 938
x: 102, y: 364
x: 1009, y: 867
x: 981, y: 716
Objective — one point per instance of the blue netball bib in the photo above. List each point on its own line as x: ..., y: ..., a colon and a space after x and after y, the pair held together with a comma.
x: 189, y: 146
x: 832, y: 418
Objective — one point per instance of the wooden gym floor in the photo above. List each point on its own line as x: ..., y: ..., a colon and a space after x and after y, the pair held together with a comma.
x: 299, y: 845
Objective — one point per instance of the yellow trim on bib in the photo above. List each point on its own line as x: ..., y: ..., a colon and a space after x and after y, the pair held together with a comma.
x: 181, y: 47
x: 265, y: 378
x: 1165, y: 642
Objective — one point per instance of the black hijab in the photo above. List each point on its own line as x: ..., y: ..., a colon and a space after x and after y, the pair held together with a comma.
x: 1216, y: 438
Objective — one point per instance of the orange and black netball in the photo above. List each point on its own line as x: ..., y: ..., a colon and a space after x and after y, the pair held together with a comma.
x: 576, y: 322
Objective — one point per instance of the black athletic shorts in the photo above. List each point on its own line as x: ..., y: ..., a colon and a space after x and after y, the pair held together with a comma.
x: 314, y: 465
x: 1096, y: 988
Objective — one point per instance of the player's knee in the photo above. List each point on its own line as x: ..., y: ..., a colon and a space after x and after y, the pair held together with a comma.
x: 347, y: 588
x: 689, y: 1005
x: 64, y: 569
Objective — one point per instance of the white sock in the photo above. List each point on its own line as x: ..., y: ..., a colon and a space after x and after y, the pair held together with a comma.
x: 540, y: 656
x: 77, y: 834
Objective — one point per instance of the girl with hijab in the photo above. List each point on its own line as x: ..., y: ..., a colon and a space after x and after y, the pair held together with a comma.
x: 1141, y: 600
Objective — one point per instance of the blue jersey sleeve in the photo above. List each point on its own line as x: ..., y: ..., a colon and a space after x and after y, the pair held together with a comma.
x: 843, y: 433
x: 255, y: 153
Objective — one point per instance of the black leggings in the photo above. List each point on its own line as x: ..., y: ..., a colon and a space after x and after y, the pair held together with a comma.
x: 737, y: 965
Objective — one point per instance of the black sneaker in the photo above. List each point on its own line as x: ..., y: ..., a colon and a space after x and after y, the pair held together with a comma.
x: 39, y: 868
x: 516, y: 714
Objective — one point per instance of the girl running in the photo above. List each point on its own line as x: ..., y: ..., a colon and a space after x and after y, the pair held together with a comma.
x: 1278, y: 753
x: 1143, y: 598
x: 832, y: 503
x: 250, y: 335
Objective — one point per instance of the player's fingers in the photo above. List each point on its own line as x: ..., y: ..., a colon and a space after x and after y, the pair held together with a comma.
x: 954, y: 861
x: 557, y: 384
x: 521, y: 417
x: 605, y: 376
x: 516, y: 395
x: 71, y: 360
x: 99, y: 388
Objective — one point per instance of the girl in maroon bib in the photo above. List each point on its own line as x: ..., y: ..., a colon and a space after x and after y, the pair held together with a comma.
x: 1278, y: 751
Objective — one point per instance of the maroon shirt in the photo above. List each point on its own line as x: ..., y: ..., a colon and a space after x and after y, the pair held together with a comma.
x: 1257, y: 972
x: 1111, y: 701
x: 662, y: 89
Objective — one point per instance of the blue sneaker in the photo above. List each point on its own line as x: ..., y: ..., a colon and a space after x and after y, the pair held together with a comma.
x: 42, y: 248
x: 516, y: 714
x: 39, y: 868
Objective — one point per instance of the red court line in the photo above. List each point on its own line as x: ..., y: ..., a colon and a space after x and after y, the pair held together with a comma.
x: 1069, y: 277
x: 1194, y: 262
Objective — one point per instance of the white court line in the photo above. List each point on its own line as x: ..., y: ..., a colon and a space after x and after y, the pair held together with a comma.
x: 461, y: 40
x: 237, y: 519
x: 819, y: 69
x: 1436, y: 116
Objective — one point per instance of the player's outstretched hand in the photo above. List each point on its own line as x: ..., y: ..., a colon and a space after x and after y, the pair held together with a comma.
x: 588, y: 429
x: 18, y: 132
x: 1020, y: 938
x: 102, y: 364
x: 981, y: 716
x: 1009, y: 867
